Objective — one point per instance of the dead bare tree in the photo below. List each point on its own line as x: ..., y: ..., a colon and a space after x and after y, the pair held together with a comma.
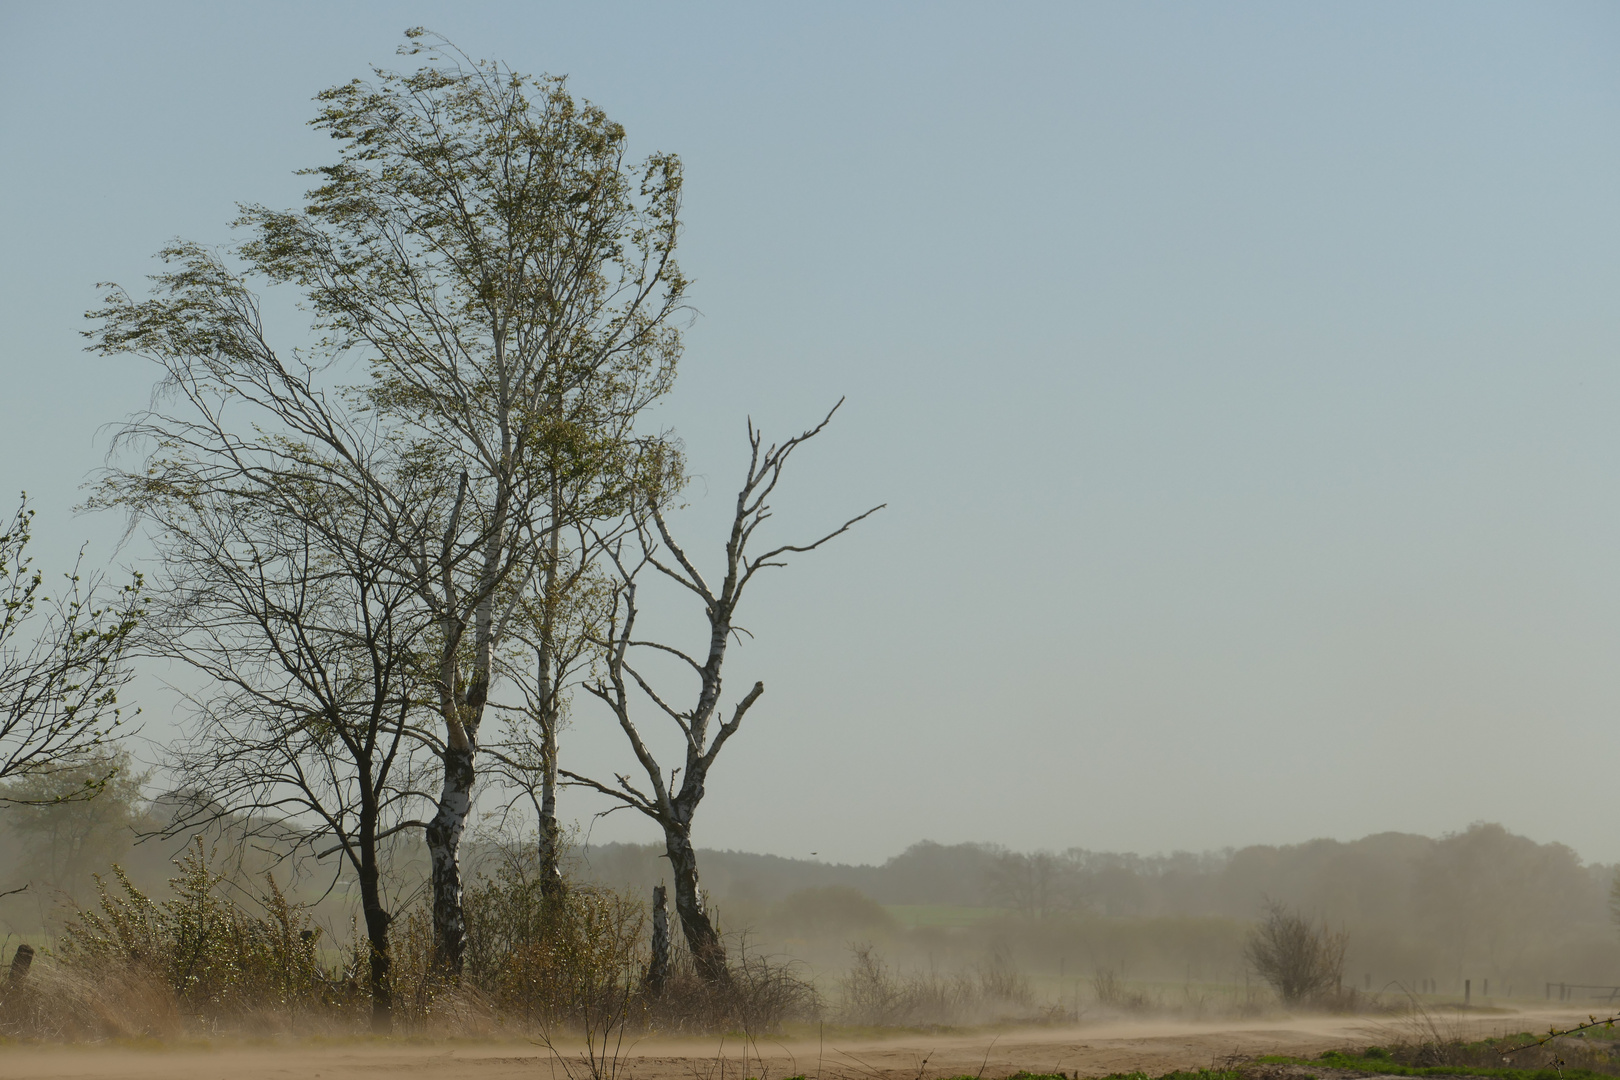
x: 670, y: 805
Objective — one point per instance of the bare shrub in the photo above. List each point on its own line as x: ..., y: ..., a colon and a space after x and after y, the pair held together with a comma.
x: 873, y: 994
x: 761, y: 994
x: 1110, y: 989
x: 1301, y: 962
x: 1000, y: 981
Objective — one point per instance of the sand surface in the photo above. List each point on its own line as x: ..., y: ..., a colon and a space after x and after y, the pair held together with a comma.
x: 1089, y: 1049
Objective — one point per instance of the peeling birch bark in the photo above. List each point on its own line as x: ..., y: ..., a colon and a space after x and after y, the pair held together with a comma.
x: 708, y: 951
x: 444, y: 847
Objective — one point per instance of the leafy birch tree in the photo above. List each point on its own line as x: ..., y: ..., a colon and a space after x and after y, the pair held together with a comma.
x: 494, y: 283
x: 484, y: 245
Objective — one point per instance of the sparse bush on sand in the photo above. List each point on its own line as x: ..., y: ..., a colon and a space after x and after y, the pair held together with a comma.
x: 1303, y: 963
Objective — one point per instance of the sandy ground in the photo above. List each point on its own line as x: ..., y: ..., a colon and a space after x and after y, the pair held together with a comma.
x: 1090, y: 1049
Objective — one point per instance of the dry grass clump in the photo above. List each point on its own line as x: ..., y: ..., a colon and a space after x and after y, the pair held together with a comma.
x: 1423, y: 1040
x: 873, y: 994
x: 1426, y: 1038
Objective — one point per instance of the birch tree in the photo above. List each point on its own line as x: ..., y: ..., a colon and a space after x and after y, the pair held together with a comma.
x: 670, y: 798
x: 495, y: 283
x: 509, y: 277
x: 553, y: 643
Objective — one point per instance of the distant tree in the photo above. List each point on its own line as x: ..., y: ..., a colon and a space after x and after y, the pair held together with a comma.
x: 63, y: 662
x: 671, y: 804
x: 1035, y: 885
x: 1299, y: 960
x: 65, y: 837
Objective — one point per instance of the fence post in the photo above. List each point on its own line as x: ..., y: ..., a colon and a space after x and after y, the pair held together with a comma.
x: 658, y: 968
x: 20, y: 964
x: 1468, y: 990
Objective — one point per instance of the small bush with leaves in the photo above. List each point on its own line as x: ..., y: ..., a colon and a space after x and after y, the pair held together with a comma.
x: 549, y: 960
x: 216, y: 957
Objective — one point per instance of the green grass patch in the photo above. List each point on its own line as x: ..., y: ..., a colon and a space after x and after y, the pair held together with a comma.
x: 1196, y: 1074
x: 1377, y: 1060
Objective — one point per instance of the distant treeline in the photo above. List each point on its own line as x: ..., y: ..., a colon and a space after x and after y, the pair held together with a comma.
x: 1479, y: 904
x: 1482, y: 904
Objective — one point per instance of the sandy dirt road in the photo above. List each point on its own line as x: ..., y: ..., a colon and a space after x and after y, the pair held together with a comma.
x: 1094, y: 1049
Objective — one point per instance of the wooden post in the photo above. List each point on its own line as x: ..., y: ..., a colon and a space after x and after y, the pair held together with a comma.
x: 1468, y: 990
x: 20, y: 964
x: 658, y: 968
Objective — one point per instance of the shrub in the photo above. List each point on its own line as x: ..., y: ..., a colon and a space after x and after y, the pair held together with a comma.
x: 133, y: 965
x: 758, y: 997
x: 875, y: 995
x: 564, y: 960
x: 1301, y: 962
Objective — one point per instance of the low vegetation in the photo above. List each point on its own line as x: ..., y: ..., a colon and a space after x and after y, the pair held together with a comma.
x: 1303, y: 963
x: 209, y: 958
x: 1521, y: 1056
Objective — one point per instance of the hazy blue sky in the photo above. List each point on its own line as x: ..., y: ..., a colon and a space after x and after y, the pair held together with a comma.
x: 1242, y: 380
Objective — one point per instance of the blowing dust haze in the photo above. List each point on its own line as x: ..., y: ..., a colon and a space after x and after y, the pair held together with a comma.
x: 871, y: 531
